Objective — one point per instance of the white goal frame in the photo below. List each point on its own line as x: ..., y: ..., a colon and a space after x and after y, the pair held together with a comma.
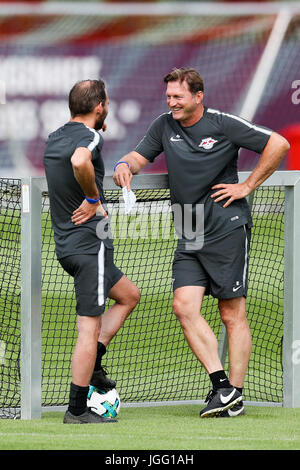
x: 31, y: 293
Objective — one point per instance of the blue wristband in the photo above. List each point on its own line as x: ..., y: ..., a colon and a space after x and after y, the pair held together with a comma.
x: 92, y: 201
x: 119, y: 164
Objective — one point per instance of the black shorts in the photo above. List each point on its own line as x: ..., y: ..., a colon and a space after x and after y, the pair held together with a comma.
x: 94, y: 276
x: 221, y: 266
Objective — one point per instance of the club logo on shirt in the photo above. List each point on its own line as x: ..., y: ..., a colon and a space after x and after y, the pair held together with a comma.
x: 207, y: 143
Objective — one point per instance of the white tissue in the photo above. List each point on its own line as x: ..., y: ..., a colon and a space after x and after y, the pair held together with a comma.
x: 129, y: 199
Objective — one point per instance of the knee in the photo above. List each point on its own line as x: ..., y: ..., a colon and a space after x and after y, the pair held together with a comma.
x: 232, y: 317
x: 227, y: 317
x: 180, y: 309
x: 135, y: 296
x: 88, y: 331
x: 132, y: 297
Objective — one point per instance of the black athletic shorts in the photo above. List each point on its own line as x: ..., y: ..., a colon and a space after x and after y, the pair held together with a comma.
x: 221, y: 266
x: 94, y: 276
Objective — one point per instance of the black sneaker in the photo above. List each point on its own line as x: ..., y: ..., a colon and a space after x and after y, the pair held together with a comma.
x: 87, y: 417
x: 237, y: 410
x: 220, y: 400
x: 100, y: 380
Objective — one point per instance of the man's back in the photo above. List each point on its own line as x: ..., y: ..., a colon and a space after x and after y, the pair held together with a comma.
x: 65, y: 193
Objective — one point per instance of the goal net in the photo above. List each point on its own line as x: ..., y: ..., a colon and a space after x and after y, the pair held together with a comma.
x: 149, y: 356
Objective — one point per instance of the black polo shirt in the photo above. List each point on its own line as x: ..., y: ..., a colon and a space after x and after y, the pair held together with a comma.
x: 202, y: 155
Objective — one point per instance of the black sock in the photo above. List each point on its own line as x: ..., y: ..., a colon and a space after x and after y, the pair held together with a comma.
x: 219, y: 380
x: 239, y: 389
x: 101, y: 350
x: 77, y: 400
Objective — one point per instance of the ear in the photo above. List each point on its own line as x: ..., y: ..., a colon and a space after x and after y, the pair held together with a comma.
x: 199, y: 97
x: 99, y: 108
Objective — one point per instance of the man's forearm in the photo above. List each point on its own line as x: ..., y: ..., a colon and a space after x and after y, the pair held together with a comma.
x: 127, y: 166
x: 270, y: 160
x: 135, y: 161
x: 85, y: 177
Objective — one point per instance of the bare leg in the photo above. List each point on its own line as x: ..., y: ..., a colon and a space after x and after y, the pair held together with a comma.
x: 200, y: 337
x: 233, y: 315
x: 126, y: 295
x: 102, y: 328
x: 84, y: 355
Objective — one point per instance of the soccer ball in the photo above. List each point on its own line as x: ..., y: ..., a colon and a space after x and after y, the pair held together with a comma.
x: 105, y: 404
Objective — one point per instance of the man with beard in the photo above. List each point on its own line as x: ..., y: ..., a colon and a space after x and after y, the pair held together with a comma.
x: 75, y: 171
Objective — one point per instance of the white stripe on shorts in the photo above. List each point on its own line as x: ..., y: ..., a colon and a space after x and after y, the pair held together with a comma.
x: 101, y: 259
x: 246, y: 258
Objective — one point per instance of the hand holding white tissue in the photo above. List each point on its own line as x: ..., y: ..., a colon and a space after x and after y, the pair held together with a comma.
x: 129, y: 199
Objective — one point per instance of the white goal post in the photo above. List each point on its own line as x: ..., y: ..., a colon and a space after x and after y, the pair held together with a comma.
x: 31, y: 349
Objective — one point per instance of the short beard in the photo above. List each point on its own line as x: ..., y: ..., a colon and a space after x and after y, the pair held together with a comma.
x: 100, y: 121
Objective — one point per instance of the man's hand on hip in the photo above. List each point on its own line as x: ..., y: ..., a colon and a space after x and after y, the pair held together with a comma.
x: 230, y: 192
x: 86, y: 211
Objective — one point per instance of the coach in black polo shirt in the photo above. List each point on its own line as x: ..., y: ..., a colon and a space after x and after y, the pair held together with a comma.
x: 74, y: 171
x: 201, y: 147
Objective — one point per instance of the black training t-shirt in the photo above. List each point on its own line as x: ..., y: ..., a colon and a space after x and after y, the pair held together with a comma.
x: 200, y: 156
x: 65, y: 193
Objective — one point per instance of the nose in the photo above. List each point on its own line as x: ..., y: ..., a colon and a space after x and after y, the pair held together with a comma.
x: 171, y: 102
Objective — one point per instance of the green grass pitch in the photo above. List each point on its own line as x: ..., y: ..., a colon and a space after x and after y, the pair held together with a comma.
x: 159, y: 428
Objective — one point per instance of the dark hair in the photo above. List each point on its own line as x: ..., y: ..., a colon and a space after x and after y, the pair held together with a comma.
x: 191, y: 76
x: 85, y: 95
